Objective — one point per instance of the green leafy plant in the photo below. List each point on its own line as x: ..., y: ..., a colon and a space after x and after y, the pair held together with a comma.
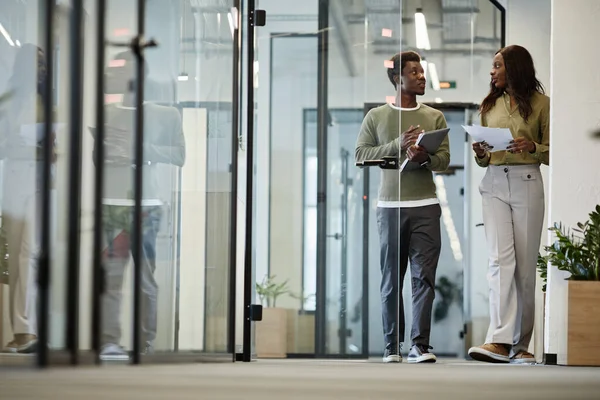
x: 303, y: 299
x: 449, y: 292
x: 269, y: 291
x: 577, y: 250
x: 542, y: 267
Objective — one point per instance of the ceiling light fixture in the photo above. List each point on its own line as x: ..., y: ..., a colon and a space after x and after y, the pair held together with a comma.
x: 183, y: 76
x: 6, y: 35
x: 232, y: 17
x: 421, y: 30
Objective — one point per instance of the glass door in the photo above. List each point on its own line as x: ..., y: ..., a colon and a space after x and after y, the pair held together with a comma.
x: 323, y: 60
x: 347, y: 312
x: 161, y: 148
x: 347, y: 323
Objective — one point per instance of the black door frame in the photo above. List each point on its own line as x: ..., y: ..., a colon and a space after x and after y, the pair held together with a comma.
x: 246, y: 355
x: 502, y: 10
x: 74, y: 181
x: 44, y: 262
x: 322, y: 128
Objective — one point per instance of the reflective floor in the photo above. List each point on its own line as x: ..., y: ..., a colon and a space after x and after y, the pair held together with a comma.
x: 449, y: 379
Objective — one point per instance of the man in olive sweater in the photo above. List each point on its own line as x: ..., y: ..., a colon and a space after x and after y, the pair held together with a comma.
x: 408, y: 211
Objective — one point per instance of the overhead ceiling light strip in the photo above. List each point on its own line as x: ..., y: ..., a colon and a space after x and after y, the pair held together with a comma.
x: 421, y: 31
x: 6, y: 35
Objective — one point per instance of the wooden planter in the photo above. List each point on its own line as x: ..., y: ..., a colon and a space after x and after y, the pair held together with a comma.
x: 583, y: 340
x: 271, y: 334
x: 300, y: 332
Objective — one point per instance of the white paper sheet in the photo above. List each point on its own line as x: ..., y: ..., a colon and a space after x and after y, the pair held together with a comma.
x: 498, y: 138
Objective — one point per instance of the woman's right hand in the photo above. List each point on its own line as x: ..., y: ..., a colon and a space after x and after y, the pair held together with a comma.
x: 480, y: 149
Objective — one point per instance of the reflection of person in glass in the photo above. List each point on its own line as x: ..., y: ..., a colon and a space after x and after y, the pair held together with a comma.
x: 21, y: 135
x: 408, y: 216
x: 513, y: 203
x: 163, y: 143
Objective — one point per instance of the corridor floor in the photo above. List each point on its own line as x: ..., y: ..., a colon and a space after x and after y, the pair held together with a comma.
x: 295, y: 379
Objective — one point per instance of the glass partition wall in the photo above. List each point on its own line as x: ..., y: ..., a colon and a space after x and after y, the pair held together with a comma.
x: 312, y: 254
x: 187, y: 185
x: 36, y: 127
x: 15, y: 72
x: 323, y: 244
x: 322, y: 67
x: 139, y: 263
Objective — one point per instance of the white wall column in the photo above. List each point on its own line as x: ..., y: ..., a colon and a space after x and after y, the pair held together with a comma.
x: 575, y: 165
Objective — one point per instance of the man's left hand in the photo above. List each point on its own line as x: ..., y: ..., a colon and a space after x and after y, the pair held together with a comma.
x: 417, y: 154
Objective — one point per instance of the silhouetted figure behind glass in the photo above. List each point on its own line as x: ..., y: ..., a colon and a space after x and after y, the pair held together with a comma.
x: 163, y: 143
x: 21, y: 131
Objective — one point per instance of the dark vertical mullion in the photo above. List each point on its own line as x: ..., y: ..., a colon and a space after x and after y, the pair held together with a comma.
x: 138, y: 181
x: 235, y: 126
x: 365, y: 256
x: 45, y: 172
x: 503, y: 27
x: 248, y: 273
x: 98, y: 269
x: 322, y: 127
x: 344, y: 257
x: 75, y: 139
x: 305, y: 114
x: 270, y: 177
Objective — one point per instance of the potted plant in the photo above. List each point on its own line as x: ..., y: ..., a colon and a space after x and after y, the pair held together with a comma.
x: 577, y: 251
x: 449, y: 292
x: 271, y: 333
x: 301, y: 326
x: 542, y: 267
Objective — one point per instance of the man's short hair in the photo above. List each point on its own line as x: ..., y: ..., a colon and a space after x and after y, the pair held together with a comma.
x: 400, y: 61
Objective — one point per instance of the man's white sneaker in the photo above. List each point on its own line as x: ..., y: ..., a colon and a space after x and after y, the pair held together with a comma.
x: 392, y: 354
x: 419, y: 353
